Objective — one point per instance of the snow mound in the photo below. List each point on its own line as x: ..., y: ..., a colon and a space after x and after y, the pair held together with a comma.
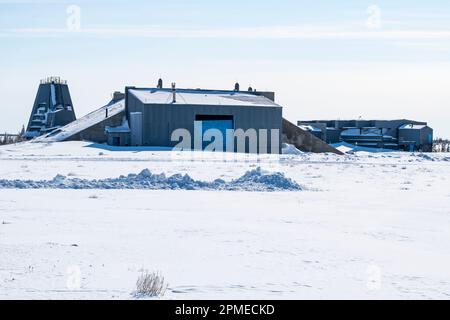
x: 350, y: 148
x: 432, y: 157
x: 424, y: 156
x: 290, y: 149
x: 265, y: 180
x: 254, y: 180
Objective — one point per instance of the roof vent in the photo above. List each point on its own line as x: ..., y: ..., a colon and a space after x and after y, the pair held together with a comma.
x: 250, y: 89
x: 174, y: 93
x: 160, y: 84
x: 236, y: 86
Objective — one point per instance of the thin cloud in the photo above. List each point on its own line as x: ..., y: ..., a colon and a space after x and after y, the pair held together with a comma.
x: 275, y: 32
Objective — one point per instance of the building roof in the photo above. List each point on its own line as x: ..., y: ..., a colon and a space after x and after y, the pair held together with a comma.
x: 123, y: 128
x: 202, y: 97
x: 412, y: 126
x: 309, y: 128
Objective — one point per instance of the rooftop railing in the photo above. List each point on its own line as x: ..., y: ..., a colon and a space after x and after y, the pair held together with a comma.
x: 55, y: 80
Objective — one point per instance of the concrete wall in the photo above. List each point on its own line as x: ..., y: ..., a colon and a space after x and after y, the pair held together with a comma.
x: 304, y: 140
x: 96, y: 133
x: 123, y: 138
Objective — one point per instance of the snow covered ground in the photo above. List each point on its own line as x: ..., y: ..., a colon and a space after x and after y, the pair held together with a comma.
x: 363, y: 225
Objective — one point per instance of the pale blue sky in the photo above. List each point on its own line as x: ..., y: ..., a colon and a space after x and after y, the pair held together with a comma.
x: 323, y: 60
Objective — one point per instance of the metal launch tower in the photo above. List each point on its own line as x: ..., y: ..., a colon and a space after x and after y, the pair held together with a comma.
x: 52, y: 108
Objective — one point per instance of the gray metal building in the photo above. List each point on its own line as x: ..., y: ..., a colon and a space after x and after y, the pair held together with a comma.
x: 416, y: 137
x: 153, y: 114
x: 149, y: 117
x: 407, y: 135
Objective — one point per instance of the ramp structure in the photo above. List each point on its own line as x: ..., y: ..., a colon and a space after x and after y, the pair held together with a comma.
x: 305, y: 141
x: 52, y: 108
x: 91, y: 127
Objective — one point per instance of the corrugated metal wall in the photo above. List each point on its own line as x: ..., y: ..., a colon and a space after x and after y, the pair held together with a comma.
x: 159, y: 121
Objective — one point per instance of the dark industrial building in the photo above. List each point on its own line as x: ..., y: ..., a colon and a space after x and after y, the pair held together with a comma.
x: 406, y: 135
x: 149, y: 117
x: 52, y: 108
x: 153, y: 114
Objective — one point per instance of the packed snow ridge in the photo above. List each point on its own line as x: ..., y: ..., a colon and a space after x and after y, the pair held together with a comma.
x: 254, y: 180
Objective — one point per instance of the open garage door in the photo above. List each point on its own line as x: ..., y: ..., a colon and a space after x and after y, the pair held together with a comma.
x: 218, y: 122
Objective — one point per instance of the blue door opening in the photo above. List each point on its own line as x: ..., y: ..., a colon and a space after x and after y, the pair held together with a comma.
x: 218, y: 122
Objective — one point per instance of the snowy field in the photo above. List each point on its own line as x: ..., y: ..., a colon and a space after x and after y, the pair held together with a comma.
x: 362, y: 225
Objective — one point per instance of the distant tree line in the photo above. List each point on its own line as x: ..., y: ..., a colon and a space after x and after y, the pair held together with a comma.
x: 8, y: 138
x: 441, y: 145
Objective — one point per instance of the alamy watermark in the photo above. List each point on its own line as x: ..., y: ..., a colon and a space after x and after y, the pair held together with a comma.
x: 374, y: 277
x: 231, y: 145
x: 261, y: 141
x: 374, y: 17
x: 73, y: 21
x: 73, y: 281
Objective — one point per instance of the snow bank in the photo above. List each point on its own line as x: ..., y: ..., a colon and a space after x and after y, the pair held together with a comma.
x: 290, y: 149
x: 351, y: 148
x: 254, y: 180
